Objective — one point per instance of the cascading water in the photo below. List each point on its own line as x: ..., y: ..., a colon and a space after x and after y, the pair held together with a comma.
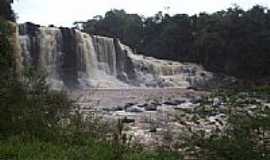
x: 73, y: 59
x: 106, y: 54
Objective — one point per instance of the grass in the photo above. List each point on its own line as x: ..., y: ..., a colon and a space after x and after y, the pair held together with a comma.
x: 18, y: 148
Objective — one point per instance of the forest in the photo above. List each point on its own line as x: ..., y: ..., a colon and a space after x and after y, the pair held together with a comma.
x: 233, y: 41
x: 37, y: 122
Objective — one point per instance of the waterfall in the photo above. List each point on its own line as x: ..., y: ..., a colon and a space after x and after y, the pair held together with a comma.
x: 106, y: 54
x: 49, y: 41
x: 17, y: 51
x: 72, y: 59
x: 88, y: 64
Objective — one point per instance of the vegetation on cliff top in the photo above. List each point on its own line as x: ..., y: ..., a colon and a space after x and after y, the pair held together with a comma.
x: 232, y: 41
x: 37, y: 123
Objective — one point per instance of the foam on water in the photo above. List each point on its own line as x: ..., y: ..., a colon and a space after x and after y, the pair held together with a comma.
x: 73, y: 59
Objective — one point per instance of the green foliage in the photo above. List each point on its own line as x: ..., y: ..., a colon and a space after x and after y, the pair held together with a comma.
x: 231, y: 41
x: 244, y: 140
x: 39, y: 123
x: 35, y: 149
x: 29, y: 107
x: 246, y: 134
x: 6, y: 62
x: 6, y: 11
x: 117, y: 24
x: 26, y: 106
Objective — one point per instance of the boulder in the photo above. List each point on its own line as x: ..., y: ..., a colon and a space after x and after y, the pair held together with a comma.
x: 151, y: 107
x: 142, y: 105
x: 187, y: 105
x: 156, y: 103
x: 128, y: 120
x: 135, y: 109
x: 128, y: 105
x: 153, y: 130
x: 196, y: 99
x: 113, y: 109
x: 174, y: 102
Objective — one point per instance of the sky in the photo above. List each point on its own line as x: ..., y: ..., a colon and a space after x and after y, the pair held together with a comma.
x: 65, y: 12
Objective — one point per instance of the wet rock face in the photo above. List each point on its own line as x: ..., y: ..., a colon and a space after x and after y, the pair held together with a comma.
x: 69, y: 65
x: 125, y: 67
x: 106, y: 53
x: 33, y: 42
x: 73, y: 59
x: 28, y: 28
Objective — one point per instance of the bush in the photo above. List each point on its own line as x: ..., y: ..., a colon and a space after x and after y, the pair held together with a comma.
x: 18, y: 148
x: 246, y: 134
x: 27, y: 106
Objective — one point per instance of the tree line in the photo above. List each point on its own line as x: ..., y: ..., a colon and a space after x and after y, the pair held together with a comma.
x: 233, y: 41
x: 39, y: 123
x: 6, y: 11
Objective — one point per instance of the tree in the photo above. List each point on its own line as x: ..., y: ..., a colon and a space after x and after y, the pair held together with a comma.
x: 6, y: 11
x: 232, y: 41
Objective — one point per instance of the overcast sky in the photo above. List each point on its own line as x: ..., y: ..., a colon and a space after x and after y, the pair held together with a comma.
x: 65, y: 12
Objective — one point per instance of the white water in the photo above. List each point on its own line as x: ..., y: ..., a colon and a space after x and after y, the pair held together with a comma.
x: 73, y: 58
